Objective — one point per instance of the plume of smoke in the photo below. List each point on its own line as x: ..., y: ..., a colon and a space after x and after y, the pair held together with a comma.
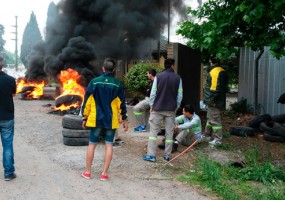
x: 85, y: 30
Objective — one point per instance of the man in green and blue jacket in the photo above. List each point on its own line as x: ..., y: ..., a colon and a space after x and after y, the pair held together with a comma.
x: 103, y: 107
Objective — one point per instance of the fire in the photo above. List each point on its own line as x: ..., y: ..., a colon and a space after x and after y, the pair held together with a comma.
x: 34, y: 93
x: 68, y: 79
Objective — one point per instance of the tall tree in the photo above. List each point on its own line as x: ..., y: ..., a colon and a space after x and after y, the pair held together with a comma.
x: 52, y: 14
x: 221, y: 26
x: 2, y: 41
x: 31, y: 37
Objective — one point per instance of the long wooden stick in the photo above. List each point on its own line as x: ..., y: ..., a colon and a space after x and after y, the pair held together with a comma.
x: 188, y: 148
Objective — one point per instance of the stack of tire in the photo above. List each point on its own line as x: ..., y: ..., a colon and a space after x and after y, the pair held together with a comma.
x: 272, y: 127
x: 72, y: 131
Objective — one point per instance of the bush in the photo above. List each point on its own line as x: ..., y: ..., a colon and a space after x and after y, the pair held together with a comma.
x: 241, y: 107
x: 136, y: 79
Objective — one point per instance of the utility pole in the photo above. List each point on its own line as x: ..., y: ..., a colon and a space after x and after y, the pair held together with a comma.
x: 16, y: 43
x: 168, y: 21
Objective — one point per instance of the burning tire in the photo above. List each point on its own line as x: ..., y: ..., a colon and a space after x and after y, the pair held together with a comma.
x: 68, y: 100
x: 75, y: 141
x: 242, y: 131
x: 28, y: 89
x: 71, y: 133
x: 72, y: 122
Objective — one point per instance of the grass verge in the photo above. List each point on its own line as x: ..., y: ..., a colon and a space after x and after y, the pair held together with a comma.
x: 258, y: 180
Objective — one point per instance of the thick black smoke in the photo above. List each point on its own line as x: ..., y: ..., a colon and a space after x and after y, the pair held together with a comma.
x: 87, y: 31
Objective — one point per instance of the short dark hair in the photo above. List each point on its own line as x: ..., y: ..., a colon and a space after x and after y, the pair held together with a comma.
x: 215, y: 60
x: 189, y: 108
x: 152, y: 72
x: 109, y: 64
x: 168, y: 62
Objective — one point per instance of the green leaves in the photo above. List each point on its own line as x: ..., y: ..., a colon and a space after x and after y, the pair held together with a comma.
x: 221, y: 26
x: 136, y: 79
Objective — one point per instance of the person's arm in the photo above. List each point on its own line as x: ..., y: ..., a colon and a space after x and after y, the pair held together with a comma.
x: 86, y: 106
x: 188, y: 125
x: 179, y: 94
x: 123, y: 108
x: 153, y: 93
x: 14, y: 88
x: 86, y: 111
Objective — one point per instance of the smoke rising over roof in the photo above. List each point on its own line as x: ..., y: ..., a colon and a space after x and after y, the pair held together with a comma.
x: 90, y: 30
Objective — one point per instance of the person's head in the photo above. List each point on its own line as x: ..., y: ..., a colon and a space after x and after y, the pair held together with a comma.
x: 109, y: 65
x: 2, y: 62
x: 188, y: 111
x: 214, y: 61
x: 169, y: 63
x: 151, y: 74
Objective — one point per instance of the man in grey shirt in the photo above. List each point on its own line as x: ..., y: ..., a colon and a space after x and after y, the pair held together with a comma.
x: 165, y: 98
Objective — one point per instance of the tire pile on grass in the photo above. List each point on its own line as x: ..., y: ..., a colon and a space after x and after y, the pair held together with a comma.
x: 72, y: 131
x: 272, y: 128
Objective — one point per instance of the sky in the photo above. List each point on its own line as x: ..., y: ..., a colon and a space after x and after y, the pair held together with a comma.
x: 23, y: 9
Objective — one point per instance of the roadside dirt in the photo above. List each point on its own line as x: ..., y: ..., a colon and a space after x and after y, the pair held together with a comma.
x: 47, y: 169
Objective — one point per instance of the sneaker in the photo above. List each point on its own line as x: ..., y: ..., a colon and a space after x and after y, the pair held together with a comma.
x: 143, y: 128
x: 116, y: 145
x: 149, y: 158
x: 104, y: 177
x: 10, y: 177
x: 119, y: 140
x: 138, y: 129
x: 215, y: 142
x: 166, y: 158
x: 174, y: 147
x: 205, y: 138
x: 86, y: 175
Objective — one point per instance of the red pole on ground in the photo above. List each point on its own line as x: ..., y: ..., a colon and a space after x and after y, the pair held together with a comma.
x: 188, y: 148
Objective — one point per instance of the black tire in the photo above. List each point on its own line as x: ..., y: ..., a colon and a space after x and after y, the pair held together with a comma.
x: 273, y: 138
x: 242, y: 131
x: 279, y: 118
x: 28, y: 89
x: 268, y: 128
x: 71, y: 133
x: 255, y: 122
x: 72, y: 122
x: 68, y: 100
x: 75, y: 141
x: 280, y: 129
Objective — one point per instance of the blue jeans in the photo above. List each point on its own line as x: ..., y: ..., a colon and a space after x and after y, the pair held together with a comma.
x: 7, y: 135
x: 96, y: 132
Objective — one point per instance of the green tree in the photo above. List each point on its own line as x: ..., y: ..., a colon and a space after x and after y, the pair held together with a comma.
x: 9, y: 57
x: 222, y: 26
x: 136, y: 79
x: 52, y: 14
x: 31, y: 37
x: 2, y: 41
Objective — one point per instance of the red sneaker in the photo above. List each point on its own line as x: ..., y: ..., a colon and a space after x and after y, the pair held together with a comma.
x: 104, y: 177
x: 86, y: 175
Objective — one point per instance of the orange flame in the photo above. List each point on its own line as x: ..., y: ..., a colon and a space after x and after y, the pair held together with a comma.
x: 37, y: 91
x: 68, y: 79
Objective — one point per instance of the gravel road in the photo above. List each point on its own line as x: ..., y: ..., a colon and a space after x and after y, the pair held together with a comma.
x: 47, y: 169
